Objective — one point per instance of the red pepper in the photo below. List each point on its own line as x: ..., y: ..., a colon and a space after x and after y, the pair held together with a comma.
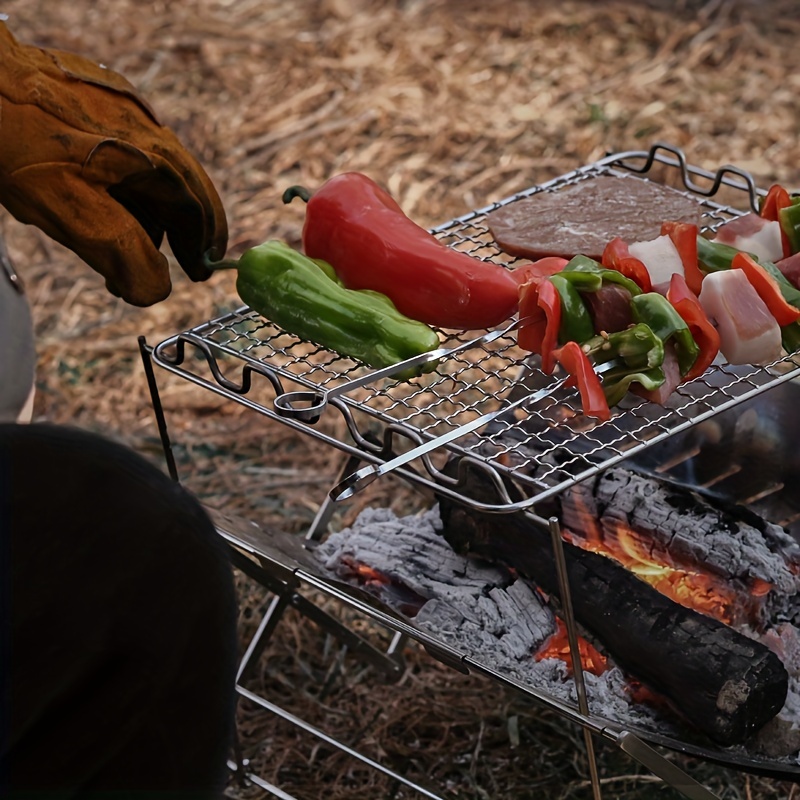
x: 540, y: 301
x: 617, y: 256
x: 684, y: 237
x: 777, y: 198
x: 538, y: 270
x: 685, y: 302
x: 767, y: 288
x: 359, y: 229
x: 577, y: 364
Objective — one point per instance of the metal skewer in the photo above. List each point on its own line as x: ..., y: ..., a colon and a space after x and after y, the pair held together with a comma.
x: 307, y: 405
x: 363, y: 477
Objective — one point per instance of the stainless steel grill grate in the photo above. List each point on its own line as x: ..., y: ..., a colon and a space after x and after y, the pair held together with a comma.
x: 545, y: 446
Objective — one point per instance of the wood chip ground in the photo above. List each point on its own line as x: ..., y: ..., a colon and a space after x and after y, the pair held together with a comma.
x: 451, y: 104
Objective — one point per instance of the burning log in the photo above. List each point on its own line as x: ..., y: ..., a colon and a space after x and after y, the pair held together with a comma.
x: 723, y: 683
x: 750, y: 567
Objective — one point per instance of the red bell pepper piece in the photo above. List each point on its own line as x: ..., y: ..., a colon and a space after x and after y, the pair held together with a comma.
x: 540, y: 301
x: 767, y: 288
x: 706, y: 336
x: 617, y: 256
x: 578, y: 366
x: 684, y: 237
x: 359, y: 229
x: 777, y: 198
x: 540, y: 269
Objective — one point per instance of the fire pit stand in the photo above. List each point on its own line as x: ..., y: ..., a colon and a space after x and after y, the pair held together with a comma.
x: 476, y: 373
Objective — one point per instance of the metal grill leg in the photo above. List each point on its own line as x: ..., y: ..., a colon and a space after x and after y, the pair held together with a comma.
x: 574, y: 649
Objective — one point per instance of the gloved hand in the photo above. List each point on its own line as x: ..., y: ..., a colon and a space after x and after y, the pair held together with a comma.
x: 83, y: 158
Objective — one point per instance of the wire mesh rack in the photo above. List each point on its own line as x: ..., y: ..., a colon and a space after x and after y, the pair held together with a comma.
x: 547, y: 444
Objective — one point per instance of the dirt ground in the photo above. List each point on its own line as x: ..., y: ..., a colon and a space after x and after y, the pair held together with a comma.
x: 451, y: 104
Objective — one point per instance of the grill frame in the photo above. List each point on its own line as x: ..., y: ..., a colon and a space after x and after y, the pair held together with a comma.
x: 218, y: 355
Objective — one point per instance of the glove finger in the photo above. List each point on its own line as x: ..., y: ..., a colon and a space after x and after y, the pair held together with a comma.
x: 84, y: 218
x: 214, y: 241
x: 167, y: 191
x: 113, y: 163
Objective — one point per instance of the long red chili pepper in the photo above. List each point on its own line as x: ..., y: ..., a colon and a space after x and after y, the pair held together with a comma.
x: 359, y: 229
x: 705, y: 335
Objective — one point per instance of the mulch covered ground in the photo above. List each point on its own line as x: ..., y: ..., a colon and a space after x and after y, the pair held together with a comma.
x: 451, y: 104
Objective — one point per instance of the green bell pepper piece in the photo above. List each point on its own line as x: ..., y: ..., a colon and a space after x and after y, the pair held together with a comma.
x: 789, y: 219
x: 617, y: 381
x: 303, y: 297
x: 576, y: 323
x: 642, y: 352
x: 579, y: 268
x: 638, y: 346
x: 657, y: 312
x: 714, y: 256
x: 790, y: 337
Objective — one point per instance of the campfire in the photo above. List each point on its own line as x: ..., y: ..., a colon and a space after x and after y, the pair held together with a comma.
x: 557, y: 646
x: 684, y: 631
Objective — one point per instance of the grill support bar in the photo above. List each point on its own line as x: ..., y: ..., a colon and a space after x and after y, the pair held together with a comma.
x: 574, y: 649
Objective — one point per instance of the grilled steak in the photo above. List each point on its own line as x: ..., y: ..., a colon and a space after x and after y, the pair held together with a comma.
x: 583, y: 218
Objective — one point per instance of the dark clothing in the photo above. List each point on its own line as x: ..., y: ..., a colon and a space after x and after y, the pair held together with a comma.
x: 118, y: 625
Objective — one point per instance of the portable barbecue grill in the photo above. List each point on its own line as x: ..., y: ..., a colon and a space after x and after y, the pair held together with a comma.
x: 464, y: 413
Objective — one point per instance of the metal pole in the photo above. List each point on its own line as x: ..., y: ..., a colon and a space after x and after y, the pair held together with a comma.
x: 158, y: 409
x: 574, y: 649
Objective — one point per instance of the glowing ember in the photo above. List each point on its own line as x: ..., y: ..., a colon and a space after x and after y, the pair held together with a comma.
x: 692, y: 588
x: 364, y: 574
x: 557, y: 646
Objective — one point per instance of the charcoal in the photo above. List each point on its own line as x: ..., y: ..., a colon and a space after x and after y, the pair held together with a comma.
x: 414, y: 555
x: 486, y: 612
x: 512, y: 620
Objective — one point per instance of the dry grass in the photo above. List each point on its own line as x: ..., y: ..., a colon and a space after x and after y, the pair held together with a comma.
x: 451, y: 104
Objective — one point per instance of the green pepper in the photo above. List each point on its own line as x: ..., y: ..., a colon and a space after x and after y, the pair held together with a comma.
x: 714, y: 256
x: 589, y: 275
x: 789, y: 219
x: 576, y: 324
x: 638, y: 346
x: 303, y: 297
x: 617, y: 381
x: 790, y: 337
x: 642, y: 352
x: 657, y: 312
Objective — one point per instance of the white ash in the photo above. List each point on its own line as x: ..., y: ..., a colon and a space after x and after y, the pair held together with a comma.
x: 412, y: 552
x: 478, y: 609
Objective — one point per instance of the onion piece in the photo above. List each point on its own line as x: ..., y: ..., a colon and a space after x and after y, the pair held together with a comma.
x: 661, y: 258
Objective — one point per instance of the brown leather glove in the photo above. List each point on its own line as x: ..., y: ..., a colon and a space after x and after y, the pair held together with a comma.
x: 83, y: 158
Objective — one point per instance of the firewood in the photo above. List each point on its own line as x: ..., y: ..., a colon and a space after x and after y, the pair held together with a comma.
x: 724, y: 684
